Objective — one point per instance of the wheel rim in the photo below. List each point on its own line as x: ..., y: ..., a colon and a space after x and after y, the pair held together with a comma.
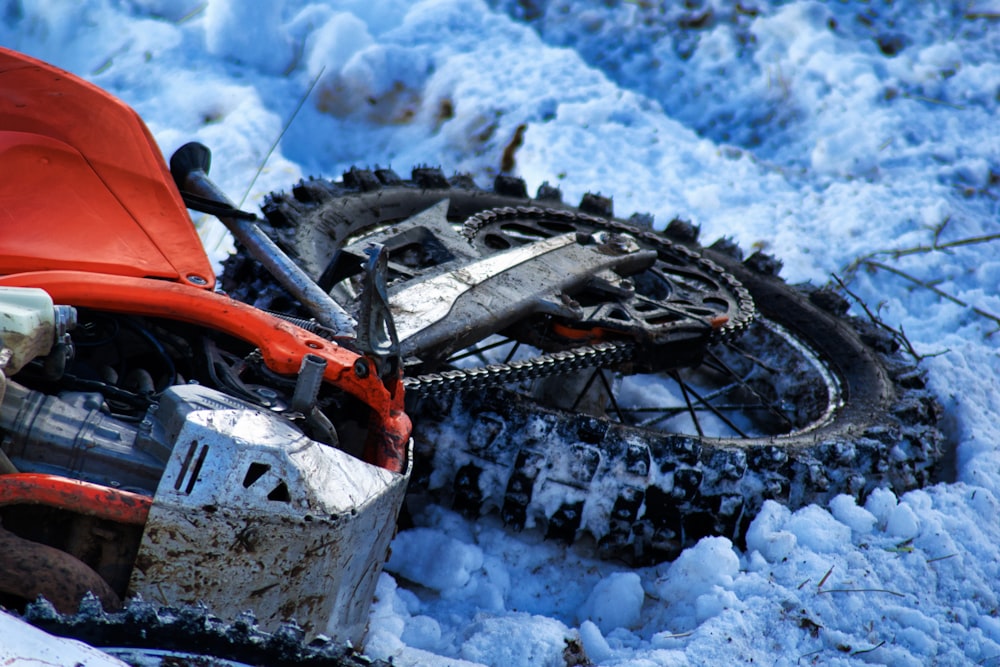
x: 767, y: 383
x: 781, y: 388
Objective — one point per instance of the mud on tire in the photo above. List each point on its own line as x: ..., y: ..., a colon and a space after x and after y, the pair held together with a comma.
x: 640, y: 494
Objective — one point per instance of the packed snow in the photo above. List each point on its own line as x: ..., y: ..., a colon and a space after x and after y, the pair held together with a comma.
x: 856, y: 139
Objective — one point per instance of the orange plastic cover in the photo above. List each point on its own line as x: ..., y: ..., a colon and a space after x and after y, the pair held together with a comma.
x: 84, y: 186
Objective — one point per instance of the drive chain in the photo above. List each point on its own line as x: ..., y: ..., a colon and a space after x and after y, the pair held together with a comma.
x: 555, y: 363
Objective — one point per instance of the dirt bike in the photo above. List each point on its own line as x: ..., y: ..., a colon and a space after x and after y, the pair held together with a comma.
x: 249, y: 448
x: 160, y: 438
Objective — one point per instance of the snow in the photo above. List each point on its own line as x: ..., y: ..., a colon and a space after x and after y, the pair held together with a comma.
x: 615, y: 602
x: 835, y: 136
x: 432, y: 559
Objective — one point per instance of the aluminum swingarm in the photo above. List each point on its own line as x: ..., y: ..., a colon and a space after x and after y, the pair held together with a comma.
x: 478, y: 291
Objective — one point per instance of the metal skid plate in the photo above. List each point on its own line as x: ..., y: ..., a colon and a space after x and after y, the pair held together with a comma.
x: 251, y: 515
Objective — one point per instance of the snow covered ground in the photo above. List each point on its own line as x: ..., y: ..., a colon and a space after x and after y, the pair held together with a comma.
x: 833, y: 135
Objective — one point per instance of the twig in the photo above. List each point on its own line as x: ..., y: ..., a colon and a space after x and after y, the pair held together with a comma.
x: 940, y: 227
x: 806, y: 655
x: 869, y: 650
x: 856, y: 298
x: 921, y: 249
x: 191, y: 14
x: 862, y: 590
x: 288, y: 124
x: 940, y: 292
x: 825, y: 577
x: 904, y: 547
x: 899, y: 549
x: 933, y: 560
x: 932, y: 100
x: 935, y: 246
x: 110, y: 60
x: 982, y: 15
x: 899, y: 335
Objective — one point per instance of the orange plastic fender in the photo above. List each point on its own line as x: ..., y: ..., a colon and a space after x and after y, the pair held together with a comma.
x: 84, y: 183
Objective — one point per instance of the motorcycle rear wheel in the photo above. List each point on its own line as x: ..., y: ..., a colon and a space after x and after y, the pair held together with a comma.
x: 858, y: 417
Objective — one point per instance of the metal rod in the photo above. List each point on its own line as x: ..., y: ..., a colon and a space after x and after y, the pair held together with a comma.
x: 328, y: 312
x: 189, y: 166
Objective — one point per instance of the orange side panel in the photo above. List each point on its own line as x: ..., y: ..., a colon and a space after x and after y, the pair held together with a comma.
x: 118, y: 156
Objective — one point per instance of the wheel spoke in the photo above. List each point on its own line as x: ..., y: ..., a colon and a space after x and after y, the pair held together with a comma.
x: 685, y: 388
x: 687, y: 399
x: 480, y: 350
x: 745, y: 385
x: 586, y: 388
x: 513, y: 351
x: 611, y: 396
x: 753, y: 358
x: 669, y: 412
